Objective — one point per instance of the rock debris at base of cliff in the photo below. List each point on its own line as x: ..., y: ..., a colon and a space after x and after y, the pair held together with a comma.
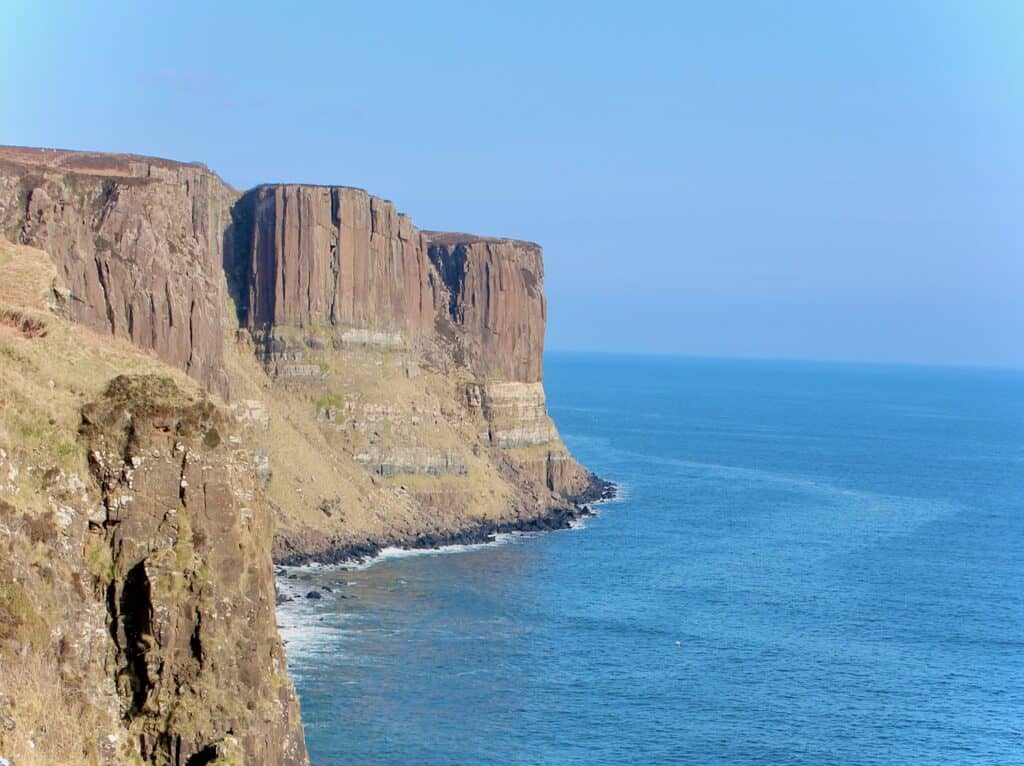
x: 197, y: 380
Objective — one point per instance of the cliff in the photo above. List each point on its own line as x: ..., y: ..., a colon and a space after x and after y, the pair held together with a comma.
x: 369, y: 384
x: 419, y: 355
x: 330, y: 256
x: 138, y: 242
x: 338, y: 257
x: 494, y: 302
x: 136, y: 589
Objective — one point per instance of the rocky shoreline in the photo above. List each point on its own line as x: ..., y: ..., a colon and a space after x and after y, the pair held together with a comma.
x: 580, y: 506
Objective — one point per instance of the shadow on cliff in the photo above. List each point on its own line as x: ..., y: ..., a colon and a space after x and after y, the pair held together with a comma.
x: 237, y: 253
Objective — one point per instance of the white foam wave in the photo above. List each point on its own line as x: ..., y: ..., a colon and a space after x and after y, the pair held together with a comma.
x: 392, y: 553
x: 622, y: 492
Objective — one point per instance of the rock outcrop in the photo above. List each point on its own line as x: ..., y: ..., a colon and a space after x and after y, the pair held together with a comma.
x: 136, y: 590
x: 190, y: 597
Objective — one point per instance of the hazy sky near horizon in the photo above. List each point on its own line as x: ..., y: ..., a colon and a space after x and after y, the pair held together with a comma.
x: 830, y: 180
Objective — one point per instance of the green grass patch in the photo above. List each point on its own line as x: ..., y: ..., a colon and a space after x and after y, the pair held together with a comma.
x: 99, y: 561
x: 330, y: 399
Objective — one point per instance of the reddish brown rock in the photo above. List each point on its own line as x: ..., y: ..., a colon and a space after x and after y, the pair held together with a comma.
x: 143, y: 245
x: 335, y: 256
x: 138, y: 242
x: 495, y: 302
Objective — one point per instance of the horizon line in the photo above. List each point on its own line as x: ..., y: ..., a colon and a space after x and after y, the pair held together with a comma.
x: 805, y: 360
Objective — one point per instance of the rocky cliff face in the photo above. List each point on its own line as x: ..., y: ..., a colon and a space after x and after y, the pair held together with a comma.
x: 316, y: 256
x: 383, y: 384
x: 329, y: 256
x: 425, y: 350
x: 138, y: 242
x: 136, y: 589
x: 190, y: 598
x: 494, y: 301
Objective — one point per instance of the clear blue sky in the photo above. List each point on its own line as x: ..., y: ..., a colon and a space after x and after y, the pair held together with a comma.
x: 838, y: 180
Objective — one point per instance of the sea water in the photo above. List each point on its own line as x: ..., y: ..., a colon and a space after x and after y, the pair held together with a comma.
x: 808, y: 564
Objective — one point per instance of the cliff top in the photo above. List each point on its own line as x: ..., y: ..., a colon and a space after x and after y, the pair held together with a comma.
x: 105, y: 164
x: 455, y: 238
x: 91, y: 163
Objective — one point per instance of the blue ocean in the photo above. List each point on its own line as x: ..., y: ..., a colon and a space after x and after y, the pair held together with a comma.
x: 808, y: 564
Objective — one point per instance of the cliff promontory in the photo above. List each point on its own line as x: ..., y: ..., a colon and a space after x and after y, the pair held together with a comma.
x: 197, y: 380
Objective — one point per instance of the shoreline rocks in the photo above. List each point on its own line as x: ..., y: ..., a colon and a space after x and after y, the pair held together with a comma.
x: 599, y: 490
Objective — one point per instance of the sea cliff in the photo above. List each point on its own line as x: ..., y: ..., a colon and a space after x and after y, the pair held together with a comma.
x: 198, y: 379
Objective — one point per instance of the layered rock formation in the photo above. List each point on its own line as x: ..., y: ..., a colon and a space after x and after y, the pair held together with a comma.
x: 385, y: 388
x: 335, y: 256
x: 428, y: 347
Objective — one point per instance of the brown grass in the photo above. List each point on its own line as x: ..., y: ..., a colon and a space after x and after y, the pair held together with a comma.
x: 27, y: 276
x: 50, y: 368
x: 27, y: 326
x: 44, y: 722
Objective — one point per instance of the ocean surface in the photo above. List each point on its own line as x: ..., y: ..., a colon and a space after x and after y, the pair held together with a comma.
x: 809, y: 564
